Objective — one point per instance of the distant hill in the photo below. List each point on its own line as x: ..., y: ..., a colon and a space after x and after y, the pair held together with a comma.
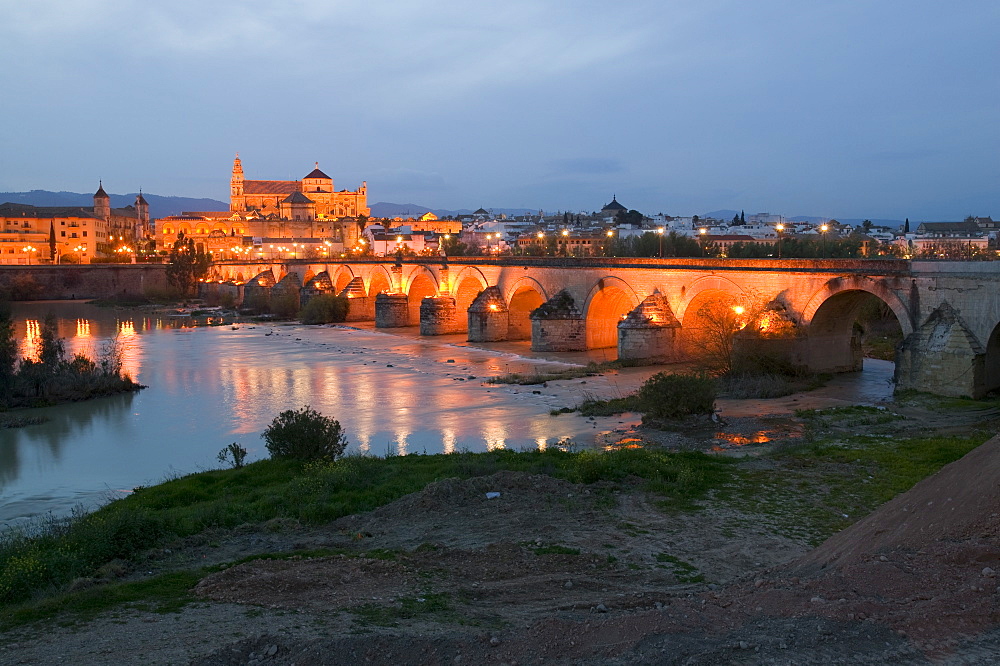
x: 159, y: 206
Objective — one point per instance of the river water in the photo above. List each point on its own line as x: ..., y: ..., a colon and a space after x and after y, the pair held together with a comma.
x: 393, y: 393
x: 210, y: 386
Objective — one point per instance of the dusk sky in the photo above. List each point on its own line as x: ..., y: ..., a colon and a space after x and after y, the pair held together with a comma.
x: 842, y: 108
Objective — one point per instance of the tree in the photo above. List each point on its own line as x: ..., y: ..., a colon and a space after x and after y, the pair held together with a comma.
x: 304, y: 434
x: 187, y: 264
x: 51, y: 348
x: 906, y: 226
x: 633, y: 217
x: 867, y: 225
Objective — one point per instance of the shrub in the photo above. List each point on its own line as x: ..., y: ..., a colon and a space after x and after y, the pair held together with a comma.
x: 304, y: 434
x: 234, y: 454
x: 665, y: 396
x: 324, y: 309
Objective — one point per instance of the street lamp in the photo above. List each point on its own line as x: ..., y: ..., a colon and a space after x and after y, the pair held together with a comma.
x: 660, y: 232
x: 702, y: 235
x: 30, y: 249
x: 779, y: 228
x: 823, y: 228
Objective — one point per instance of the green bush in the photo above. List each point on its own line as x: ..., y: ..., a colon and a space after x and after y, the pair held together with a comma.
x: 304, y: 434
x: 324, y: 309
x: 666, y: 396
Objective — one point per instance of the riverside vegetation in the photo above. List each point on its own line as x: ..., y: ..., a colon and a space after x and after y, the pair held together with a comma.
x: 85, y: 563
x: 51, y: 378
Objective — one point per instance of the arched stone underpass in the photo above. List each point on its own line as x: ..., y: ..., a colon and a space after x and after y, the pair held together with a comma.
x: 607, y: 307
x: 420, y: 288
x: 378, y: 283
x: 711, y: 321
x: 848, y: 326
x: 525, y: 299
x: 991, y: 375
x: 465, y: 293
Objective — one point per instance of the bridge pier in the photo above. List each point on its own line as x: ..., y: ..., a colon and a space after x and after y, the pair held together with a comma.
x: 650, y: 331
x: 489, y: 317
x: 944, y: 357
x: 360, y: 307
x: 392, y: 310
x: 558, y: 325
x: 439, y: 316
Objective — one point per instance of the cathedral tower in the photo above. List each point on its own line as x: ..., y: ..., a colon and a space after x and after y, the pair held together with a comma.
x: 236, y: 200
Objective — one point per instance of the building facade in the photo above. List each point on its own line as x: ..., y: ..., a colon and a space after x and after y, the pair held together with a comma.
x: 312, y: 197
x: 71, y: 234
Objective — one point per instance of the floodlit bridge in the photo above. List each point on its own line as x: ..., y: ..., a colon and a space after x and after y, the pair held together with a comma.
x: 801, y: 312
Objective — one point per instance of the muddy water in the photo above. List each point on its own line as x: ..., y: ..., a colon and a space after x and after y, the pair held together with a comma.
x: 211, y: 386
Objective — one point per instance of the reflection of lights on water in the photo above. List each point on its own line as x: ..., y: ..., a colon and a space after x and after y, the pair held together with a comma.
x: 449, y: 440
x: 541, y: 443
x: 83, y: 328
x: 495, y: 434
x: 32, y: 332
x: 736, y: 439
x: 625, y: 443
x: 126, y: 328
x: 402, y: 446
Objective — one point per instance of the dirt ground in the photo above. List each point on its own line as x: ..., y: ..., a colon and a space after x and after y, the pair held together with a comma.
x: 549, y: 572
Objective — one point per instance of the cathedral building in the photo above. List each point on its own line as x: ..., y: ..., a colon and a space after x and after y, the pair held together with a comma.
x: 313, y: 197
x: 267, y: 215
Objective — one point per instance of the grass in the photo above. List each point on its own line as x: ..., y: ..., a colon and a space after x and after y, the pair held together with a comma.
x: 161, y: 594
x: 434, y: 606
x: 33, y: 567
x: 556, y: 550
x: 684, y: 572
x: 824, y: 486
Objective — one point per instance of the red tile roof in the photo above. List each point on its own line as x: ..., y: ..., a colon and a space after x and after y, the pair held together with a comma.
x: 271, y: 186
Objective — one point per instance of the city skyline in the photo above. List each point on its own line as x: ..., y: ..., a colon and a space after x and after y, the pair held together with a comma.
x: 847, y: 110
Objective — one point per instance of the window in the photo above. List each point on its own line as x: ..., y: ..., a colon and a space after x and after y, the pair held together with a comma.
x: 63, y: 234
x: 84, y: 234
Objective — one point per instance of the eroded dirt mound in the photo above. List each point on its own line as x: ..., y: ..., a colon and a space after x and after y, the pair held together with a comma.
x: 923, y: 564
x: 959, y: 506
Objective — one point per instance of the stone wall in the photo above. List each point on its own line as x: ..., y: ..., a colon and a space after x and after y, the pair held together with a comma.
x: 85, y: 280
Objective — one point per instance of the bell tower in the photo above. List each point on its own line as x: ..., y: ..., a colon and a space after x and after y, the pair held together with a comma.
x: 102, y: 203
x: 236, y: 200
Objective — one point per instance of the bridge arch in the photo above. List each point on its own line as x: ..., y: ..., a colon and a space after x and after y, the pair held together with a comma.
x: 609, y: 300
x: 379, y: 281
x: 708, y: 286
x: 341, y: 277
x: 421, y: 284
x: 841, y: 286
x: 830, y: 319
x: 465, y: 287
x: 523, y: 296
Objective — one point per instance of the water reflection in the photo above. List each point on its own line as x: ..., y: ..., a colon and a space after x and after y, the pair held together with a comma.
x: 209, y: 387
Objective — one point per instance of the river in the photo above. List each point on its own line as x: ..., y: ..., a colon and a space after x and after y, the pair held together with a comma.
x: 210, y: 386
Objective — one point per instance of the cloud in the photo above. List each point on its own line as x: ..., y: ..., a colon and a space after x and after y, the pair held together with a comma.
x: 586, y: 166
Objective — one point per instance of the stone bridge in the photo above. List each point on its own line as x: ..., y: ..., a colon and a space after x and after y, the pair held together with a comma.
x: 802, y: 312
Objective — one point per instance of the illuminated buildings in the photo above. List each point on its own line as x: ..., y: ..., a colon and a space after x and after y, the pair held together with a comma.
x: 265, y: 213
x: 48, y: 234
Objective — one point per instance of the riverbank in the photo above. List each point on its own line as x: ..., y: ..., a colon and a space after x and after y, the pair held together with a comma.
x: 582, y: 558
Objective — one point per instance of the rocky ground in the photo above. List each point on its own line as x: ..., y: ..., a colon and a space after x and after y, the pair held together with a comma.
x: 553, y: 572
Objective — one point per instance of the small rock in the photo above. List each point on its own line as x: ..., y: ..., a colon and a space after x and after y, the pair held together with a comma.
x: 989, y: 573
x: 759, y: 582
x: 744, y: 645
x: 271, y: 650
x: 658, y: 605
x: 782, y: 646
x: 568, y: 585
x: 601, y: 608
x: 883, y: 558
x: 817, y: 600
x: 494, y: 641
